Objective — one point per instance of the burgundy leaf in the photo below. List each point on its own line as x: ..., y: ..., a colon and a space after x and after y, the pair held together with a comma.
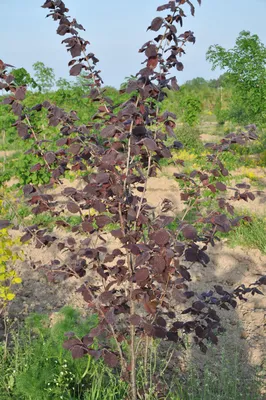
x: 102, y: 220
x: 243, y: 186
x: 158, y: 264
x: 161, y: 322
x: 179, y: 66
x: 251, y: 196
x: 159, y: 332
x: 87, y: 226
x: 36, y: 167
x: 50, y: 157
x: 20, y: 93
x: 4, y: 223
x: 150, y: 144
x: 87, y: 340
x: 189, y: 232
x: 111, y: 359
x: 142, y: 258
x: 184, y: 272
x: 17, y: 108
x: 135, y: 320
x: 75, y: 148
x: 161, y: 237
x: 22, y: 130
x: 77, y: 352
x: 156, y: 24
x: 26, y: 237
x: 73, y: 207
x: 142, y: 274
x: 76, y: 70
x: 68, y: 344
x: 220, y: 186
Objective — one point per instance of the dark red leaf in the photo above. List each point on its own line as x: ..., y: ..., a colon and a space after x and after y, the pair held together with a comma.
x: 102, y: 220
x: 36, y: 167
x: 161, y: 237
x: 76, y: 70
x: 189, y: 232
x: 87, y: 226
x: 158, y: 264
x: 243, y: 186
x: 220, y: 186
x: 159, y: 332
x: 4, y: 223
x: 26, y: 237
x: 156, y: 24
x: 179, y: 66
x: 251, y: 196
x: 77, y: 352
x: 135, y: 320
x: 20, y: 93
x: 73, y: 207
x: 102, y: 178
x: 150, y: 144
x: 17, y: 108
x: 50, y: 157
x: 161, y: 322
x: 75, y: 148
x: 142, y: 258
x: 184, y: 272
x: 68, y: 344
x: 142, y: 274
x: 110, y: 359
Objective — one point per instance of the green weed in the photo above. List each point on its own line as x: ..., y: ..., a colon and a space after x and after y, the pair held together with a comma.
x: 249, y: 234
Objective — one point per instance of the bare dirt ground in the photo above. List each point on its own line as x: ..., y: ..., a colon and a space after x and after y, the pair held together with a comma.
x: 7, y: 153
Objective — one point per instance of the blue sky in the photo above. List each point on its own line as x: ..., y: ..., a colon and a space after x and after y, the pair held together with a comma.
x: 117, y: 29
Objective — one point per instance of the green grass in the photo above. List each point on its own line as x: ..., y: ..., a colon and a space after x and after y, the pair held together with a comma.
x: 249, y: 234
x: 38, y: 368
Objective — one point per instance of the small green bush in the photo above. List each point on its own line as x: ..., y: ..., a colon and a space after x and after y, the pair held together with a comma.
x: 191, y: 109
x: 20, y: 168
x: 190, y: 138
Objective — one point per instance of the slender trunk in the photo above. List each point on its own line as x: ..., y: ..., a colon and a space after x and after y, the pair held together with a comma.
x: 133, y: 364
x: 132, y: 350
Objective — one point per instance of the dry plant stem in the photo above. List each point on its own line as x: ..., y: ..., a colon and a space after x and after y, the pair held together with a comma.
x: 146, y: 353
x: 6, y: 336
x: 168, y: 362
x: 129, y: 147
x: 190, y: 206
x: 128, y: 156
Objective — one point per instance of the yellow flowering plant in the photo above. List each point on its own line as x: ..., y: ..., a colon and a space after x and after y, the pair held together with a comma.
x: 8, y: 256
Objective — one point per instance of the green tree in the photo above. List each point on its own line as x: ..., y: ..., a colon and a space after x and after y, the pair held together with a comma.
x: 22, y: 77
x: 191, y: 109
x: 196, y: 83
x: 44, y: 76
x: 245, y: 65
x: 222, y: 81
x: 64, y: 84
